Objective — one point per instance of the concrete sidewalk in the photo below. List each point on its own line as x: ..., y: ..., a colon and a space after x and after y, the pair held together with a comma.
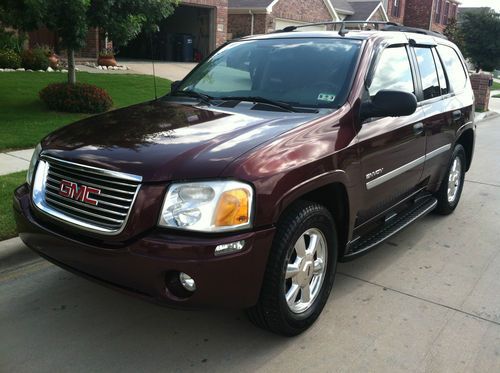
x: 15, y: 161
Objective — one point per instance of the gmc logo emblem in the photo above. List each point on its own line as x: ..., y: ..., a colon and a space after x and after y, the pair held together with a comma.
x: 80, y: 193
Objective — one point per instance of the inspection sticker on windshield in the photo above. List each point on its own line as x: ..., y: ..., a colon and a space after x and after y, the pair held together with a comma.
x: 326, y: 97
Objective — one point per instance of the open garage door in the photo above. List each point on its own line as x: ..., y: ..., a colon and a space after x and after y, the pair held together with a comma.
x: 282, y: 23
x: 187, y: 35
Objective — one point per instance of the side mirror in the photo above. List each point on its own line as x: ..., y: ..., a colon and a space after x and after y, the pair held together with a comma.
x: 175, y: 85
x: 388, y: 103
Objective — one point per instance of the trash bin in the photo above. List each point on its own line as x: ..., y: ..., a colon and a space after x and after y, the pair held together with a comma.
x: 184, y: 51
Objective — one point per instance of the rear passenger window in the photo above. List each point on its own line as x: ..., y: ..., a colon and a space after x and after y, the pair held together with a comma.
x: 428, y: 73
x: 393, y: 71
x: 442, y: 78
x: 453, y: 67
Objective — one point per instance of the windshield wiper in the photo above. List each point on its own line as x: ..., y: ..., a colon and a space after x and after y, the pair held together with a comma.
x: 194, y: 94
x: 262, y: 100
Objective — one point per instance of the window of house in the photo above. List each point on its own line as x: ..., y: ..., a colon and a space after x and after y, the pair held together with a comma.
x: 453, y: 12
x: 395, y: 8
x: 393, y: 71
x: 437, y: 17
x: 446, y: 13
x: 454, y: 67
x: 428, y: 73
x: 441, y: 75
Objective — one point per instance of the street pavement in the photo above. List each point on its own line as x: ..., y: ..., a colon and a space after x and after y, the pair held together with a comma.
x: 427, y: 300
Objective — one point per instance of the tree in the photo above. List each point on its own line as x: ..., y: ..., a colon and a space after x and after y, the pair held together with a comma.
x: 122, y: 20
x: 454, y: 33
x: 481, y: 32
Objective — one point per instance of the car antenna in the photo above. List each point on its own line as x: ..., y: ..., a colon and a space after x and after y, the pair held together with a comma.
x: 343, y: 31
x: 153, y: 63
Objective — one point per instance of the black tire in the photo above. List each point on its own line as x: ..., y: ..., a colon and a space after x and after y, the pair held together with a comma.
x: 272, y: 311
x: 445, y: 206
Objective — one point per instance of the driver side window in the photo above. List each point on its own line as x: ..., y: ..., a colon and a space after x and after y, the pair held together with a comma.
x: 393, y: 72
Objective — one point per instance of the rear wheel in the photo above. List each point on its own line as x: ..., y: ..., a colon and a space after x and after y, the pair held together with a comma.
x: 300, y: 271
x: 452, y: 185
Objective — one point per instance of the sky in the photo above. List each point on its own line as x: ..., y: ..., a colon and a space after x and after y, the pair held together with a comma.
x: 495, y: 4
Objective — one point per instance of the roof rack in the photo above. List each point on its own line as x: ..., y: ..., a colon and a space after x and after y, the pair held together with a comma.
x: 388, y: 26
x: 343, y: 31
x: 413, y: 30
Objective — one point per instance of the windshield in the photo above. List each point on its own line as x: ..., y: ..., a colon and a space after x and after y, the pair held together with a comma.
x: 305, y: 72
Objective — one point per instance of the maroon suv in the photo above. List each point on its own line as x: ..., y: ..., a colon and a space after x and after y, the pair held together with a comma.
x: 274, y: 159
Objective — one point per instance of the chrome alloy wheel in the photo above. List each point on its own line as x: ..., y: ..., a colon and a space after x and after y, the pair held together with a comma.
x: 305, y: 271
x: 454, y: 179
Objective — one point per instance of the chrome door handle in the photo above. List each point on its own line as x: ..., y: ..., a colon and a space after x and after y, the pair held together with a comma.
x: 418, y: 128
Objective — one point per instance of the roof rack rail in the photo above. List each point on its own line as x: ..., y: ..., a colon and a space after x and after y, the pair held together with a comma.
x: 343, y: 31
x: 388, y: 26
x: 414, y: 30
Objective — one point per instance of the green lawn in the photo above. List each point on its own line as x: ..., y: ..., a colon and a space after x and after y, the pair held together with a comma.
x: 496, y: 86
x: 7, y: 185
x: 24, y: 119
x: 496, y: 96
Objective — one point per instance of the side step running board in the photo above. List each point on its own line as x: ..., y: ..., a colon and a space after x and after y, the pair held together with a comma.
x: 420, y: 208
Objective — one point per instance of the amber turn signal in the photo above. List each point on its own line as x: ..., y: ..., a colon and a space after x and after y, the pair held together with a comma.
x: 232, y: 208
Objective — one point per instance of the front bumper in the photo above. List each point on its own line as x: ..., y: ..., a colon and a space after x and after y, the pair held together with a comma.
x: 141, y: 266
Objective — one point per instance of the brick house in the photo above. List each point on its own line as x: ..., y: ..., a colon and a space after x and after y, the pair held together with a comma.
x: 248, y: 17
x: 427, y: 14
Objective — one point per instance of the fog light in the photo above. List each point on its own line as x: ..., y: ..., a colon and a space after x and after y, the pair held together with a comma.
x: 187, y: 282
x: 229, y: 248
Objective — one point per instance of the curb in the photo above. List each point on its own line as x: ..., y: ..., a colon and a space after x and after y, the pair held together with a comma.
x: 480, y: 117
x: 14, y: 253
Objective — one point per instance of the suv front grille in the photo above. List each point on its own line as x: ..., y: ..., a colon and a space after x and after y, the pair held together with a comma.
x: 87, y: 197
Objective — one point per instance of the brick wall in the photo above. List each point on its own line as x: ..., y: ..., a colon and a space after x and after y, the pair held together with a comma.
x: 390, y: 11
x: 481, y: 86
x: 239, y: 25
x: 418, y: 13
x: 221, y: 17
x: 299, y: 10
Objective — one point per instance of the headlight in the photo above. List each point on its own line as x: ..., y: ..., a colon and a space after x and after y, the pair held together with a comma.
x: 33, y: 162
x: 214, y: 206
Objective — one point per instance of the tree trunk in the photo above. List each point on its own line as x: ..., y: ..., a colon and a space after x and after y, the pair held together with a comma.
x: 71, y: 67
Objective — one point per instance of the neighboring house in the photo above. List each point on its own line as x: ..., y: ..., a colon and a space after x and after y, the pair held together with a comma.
x: 427, y: 14
x: 248, y: 17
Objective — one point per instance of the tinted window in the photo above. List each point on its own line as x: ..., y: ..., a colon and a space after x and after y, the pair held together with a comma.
x: 299, y: 71
x: 442, y: 78
x: 453, y: 67
x: 430, y: 82
x: 393, y: 72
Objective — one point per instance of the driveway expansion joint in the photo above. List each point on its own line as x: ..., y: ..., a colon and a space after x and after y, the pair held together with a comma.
x: 420, y: 298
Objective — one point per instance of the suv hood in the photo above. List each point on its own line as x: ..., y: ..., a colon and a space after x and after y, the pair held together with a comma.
x: 163, y: 141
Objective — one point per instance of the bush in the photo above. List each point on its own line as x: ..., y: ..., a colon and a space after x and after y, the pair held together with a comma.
x: 9, y: 59
x: 10, y: 41
x: 76, y: 98
x: 35, y: 59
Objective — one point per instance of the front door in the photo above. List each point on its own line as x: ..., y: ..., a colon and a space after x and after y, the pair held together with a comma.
x: 392, y: 150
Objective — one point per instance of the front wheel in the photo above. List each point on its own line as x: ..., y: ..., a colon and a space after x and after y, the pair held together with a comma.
x: 300, y: 272
x: 451, y: 187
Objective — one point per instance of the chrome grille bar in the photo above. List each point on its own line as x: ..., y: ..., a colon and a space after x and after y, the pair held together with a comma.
x: 104, y: 211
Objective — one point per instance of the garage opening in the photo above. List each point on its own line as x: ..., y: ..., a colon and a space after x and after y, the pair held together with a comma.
x: 188, y: 35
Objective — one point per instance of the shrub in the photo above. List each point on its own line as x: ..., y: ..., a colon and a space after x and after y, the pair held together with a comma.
x: 35, y: 59
x: 9, y: 40
x: 76, y: 98
x: 9, y: 59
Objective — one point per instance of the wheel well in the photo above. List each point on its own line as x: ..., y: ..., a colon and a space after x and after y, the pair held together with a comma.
x: 466, y: 139
x: 334, y: 198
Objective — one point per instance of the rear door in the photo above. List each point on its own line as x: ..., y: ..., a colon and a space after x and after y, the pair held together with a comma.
x: 445, y: 103
x: 392, y: 150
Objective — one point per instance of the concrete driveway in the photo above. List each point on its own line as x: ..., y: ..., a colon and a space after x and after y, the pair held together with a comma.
x: 168, y: 70
x: 425, y: 301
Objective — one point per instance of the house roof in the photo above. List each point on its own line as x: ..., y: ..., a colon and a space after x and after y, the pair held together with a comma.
x: 362, y: 9
x: 249, y: 4
x: 342, y: 6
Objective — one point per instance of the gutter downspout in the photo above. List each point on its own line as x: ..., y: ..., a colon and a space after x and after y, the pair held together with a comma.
x: 251, y: 21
